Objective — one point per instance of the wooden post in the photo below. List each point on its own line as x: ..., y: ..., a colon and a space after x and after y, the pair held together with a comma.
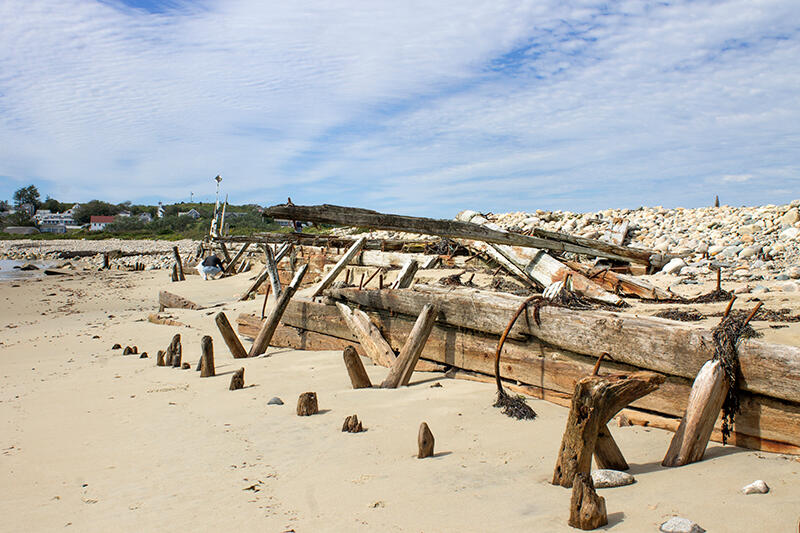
x: 174, y: 276
x: 403, y: 367
x: 160, y: 358
x: 272, y: 271
x: 264, y: 304
x: 174, y: 349
x: 225, y: 252
x: 179, y: 263
x: 237, y: 380
x: 587, y: 510
x: 424, y: 441
x: 176, y: 359
x: 106, y: 263
x: 230, y: 267
x: 307, y: 404
x: 341, y: 264
x: 271, y: 322
x: 595, y: 401
x: 368, y: 335
x: 355, y: 368
x: 406, y: 275
x: 262, y: 276
x: 230, y: 337
x: 705, y: 401
x: 207, y: 359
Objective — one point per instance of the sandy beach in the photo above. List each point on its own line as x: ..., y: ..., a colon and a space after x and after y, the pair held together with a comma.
x: 95, y: 441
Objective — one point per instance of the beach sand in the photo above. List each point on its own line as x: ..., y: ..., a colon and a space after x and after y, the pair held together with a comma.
x: 94, y: 441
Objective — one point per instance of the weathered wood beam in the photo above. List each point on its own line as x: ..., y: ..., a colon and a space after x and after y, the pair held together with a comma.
x: 260, y: 279
x: 350, y: 216
x: 656, y: 344
x: 272, y: 271
x: 705, y: 401
x: 406, y: 275
x: 167, y: 299
x: 239, y: 254
x: 179, y: 263
x: 621, y: 283
x: 401, y: 370
x: 305, y: 239
x: 229, y: 336
x: 264, y: 336
x: 355, y: 369
x: 368, y: 336
x: 339, y: 266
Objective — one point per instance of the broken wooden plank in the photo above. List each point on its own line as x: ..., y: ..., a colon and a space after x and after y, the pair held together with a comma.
x: 368, y: 336
x: 620, y: 283
x: 239, y: 254
x: 264, y: 336
x: 403, y: 366
x: 355, y: 368
x: 350, y: 216
x: 168, y: 299
x: 343, y: 262
x: 406, y: 275
x: 272, y: 271
x: 260, y: 279
x: 229, y: 336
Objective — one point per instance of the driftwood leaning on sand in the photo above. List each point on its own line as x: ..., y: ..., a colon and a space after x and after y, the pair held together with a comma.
x: 167, y: 299
x: 355, y: 369
x: 264, y: 336
x: 229, y: 336
x: 401, y: 370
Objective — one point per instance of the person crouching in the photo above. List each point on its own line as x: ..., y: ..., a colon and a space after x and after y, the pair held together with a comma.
x: 210, y: 267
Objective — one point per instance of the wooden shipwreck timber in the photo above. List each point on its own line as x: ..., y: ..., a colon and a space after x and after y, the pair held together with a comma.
x: 660, y: 369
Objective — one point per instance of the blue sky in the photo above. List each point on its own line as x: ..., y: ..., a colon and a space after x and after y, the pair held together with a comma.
x: 415, y: 107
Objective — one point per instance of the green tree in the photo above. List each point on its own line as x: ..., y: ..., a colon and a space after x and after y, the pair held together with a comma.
x: 27, y: 195
x: 95, y: 207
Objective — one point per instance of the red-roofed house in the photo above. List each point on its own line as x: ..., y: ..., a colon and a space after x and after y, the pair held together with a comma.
x: 99, y: 223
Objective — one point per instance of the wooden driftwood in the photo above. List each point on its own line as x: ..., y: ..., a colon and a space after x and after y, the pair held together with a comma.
x: 339, y: 266
x: 174, y: 350
x: 260, y: 279
x: 607, y: 453
x: 425, y: 441
x: 651, y: 343
x: 587, y: 510
x: 352, y: 425
x: 237, y: 380
x: 620, y: 283
x: 229, y: 336
x: 272, y: 271
x: 595, y: 401
x: 368, y: 336
x: 307, y: 404
x: 160, y: 358
x: 179, y: 264
x: 349, y: 216
x: 207, y: 358
x: 168, y: 299
x: 264, y: 336
x: 355, y: 369
x: 549, y: 372
x: 705, y: 401
x: 401, y: 370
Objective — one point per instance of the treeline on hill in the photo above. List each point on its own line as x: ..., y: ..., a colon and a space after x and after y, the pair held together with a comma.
x: 240, y: 219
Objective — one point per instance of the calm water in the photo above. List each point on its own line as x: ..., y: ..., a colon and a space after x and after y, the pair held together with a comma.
x: 8, y: 272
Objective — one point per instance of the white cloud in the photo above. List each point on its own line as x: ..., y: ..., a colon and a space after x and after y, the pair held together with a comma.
x: 422, y: 107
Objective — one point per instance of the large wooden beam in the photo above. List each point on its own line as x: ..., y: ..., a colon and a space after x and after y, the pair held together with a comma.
x: 652, y: 343
x: 239, y: 254
x: 272, y: 272
x: 406, y: 275
x: 350, y: 216
x: 622, y: 283
x: 264, y: 336
x: 339, y: 266
x: 167, y: 299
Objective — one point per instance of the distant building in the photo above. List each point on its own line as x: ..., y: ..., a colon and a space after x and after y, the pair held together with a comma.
x: 194, y: 213
x: 99, y: 223
x: 146, y: 217
x: 50, y: 222
x: 124, y: 214
x: 160, y: 211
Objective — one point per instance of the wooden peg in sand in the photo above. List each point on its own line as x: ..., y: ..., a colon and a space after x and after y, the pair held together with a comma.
x: 352, y: 425
x: 174, y: 349
x: 355, y: 368
x: 587, y: 510
x: 307, y: 404
x: 207, y: 359
x: 237, y: 380
x: 229, y: 336
x: 160, y: 358
x: 425, y: 441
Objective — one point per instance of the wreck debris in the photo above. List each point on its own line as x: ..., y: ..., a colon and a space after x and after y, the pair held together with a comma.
x: 425, y: 441
x: 271, y: 322
x: 355, y: 369
x: 343, y: 262
x: 307, y: 404
x: 402, y: 368
x: 206, y: 362
x: 229, y: 336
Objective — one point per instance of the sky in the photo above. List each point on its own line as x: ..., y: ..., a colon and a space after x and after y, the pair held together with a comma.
x: 413, y: 107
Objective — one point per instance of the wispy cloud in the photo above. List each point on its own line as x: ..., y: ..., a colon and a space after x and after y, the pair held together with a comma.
x: 410, y: 106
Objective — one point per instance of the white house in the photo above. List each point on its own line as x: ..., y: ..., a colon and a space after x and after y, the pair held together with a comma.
x: 99, y: 223
x: 194, y: 213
